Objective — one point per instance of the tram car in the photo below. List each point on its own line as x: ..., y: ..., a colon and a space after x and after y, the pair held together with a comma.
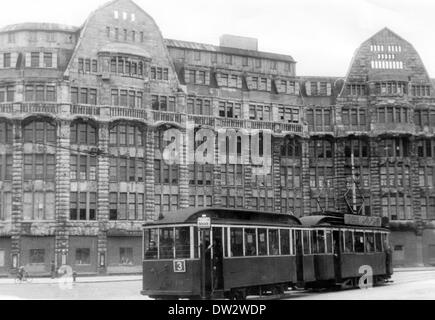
x: 345, y: 246
x: 215, y: 253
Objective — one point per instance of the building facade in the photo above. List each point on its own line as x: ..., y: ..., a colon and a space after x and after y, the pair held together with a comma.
x: 82, y: 116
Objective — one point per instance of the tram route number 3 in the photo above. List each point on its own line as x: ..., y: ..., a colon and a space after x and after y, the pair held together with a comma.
x: 179, y: 266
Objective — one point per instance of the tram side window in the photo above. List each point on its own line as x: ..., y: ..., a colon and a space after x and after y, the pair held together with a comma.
x: 359, y: 242
x: 262, y: 242
x: 182, y: 243
x: 370, y: 242
x: 273, y: 243
x: 250, y: 242
x: 166, y: 245
x: 306, y: 241
x: 378, y: 242
x: 196, y: 240
x: 328, y: 241
x: 314, y: 245
x: 150, y: 244
x: 236, y: 236
x: 321, y: 241
x: 348, y: 241
x: 285, y: 241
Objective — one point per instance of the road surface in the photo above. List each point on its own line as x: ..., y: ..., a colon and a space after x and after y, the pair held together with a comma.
x: 409, y: 285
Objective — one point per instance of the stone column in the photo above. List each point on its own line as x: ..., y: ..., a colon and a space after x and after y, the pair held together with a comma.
x: 415, y: 188
x: 248, y: 194
x: 149, y: 176
x: 276, y: 173
x: 305, y: 169
x: 340, y: 181
x: 17, y: 190
x: 63, y: 189
x: 375, y: 178
x: 103, y: 194
x: 217, y: 178
x: 183, y: 184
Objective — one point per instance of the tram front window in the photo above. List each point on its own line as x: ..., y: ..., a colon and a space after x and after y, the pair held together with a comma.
x: 166, y: 245
x: 236, y: 236
x: 359, y: 242
x: 273, y: 242
x: 150, y: 244
x: 329, y: 241
x: 321, y: 241
x: 378, y: 242
x: 348, y: 241
x: 285, y: 241
x: 306, y: 241
x: 262, y: 242
x: 182, y: 243
x: 250, y: 242
x: 370, y: 242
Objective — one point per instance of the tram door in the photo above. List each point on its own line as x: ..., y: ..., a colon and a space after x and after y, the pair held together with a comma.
x: 299, y: 255
x: 337, y: 254
x: 214, y: 261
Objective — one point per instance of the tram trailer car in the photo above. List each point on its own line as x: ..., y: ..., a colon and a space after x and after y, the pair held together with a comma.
x: 245, y: 252
x: 345, y: 247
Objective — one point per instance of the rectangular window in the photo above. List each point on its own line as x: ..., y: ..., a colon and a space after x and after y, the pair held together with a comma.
x: 37, y: 256
x: 48, y: 60
x: 126, y: 256
x: 83, y: 256
x: 34, y: 60
x: 7, y: 60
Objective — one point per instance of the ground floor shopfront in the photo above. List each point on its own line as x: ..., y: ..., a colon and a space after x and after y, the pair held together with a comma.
x: 37, y: 254
x: 124, y: 253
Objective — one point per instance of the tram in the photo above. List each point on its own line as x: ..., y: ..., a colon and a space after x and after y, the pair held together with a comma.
x: 215, y: 253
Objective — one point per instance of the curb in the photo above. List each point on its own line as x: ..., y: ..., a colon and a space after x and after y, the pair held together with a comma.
x: 78, y: 281
x: 427, y: 269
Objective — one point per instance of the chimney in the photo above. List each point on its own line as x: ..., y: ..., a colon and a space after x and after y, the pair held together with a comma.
x: 238, y: 42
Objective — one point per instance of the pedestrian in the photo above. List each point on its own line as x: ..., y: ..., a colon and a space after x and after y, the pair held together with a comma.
x: 53, y: 269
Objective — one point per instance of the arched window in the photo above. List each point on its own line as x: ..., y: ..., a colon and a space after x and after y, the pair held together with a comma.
x: 124, y: 135
x: 42, y: 132
x: 6, y: 132
x: 321, y: 148
x: 291, y: 148
x: 83, y: 133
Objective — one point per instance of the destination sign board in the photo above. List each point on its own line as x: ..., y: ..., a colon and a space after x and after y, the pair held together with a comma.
x: 354, y: 220
x: 204, y: 222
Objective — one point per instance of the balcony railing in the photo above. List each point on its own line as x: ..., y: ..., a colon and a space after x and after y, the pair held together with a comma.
x: 151, y: 115
x: 30, y: 107
x: 88, y: 110
x: 230, y: 123
x: 160, y: 116
x: 202, y: 120
x: 6, y: 108
x: 128, y: 113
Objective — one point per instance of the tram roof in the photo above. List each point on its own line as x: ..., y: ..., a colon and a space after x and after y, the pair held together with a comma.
x: 340, y: 219
x: 225, y: 215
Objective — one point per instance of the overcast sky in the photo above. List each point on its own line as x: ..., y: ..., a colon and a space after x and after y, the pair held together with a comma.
x: 321, y: 35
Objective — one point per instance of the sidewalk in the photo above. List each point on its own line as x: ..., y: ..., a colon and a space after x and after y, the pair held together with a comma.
x: 414, y: 269
x: 80, y: 279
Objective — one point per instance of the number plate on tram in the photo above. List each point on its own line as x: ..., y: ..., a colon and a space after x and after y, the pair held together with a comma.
x: 179, y: 266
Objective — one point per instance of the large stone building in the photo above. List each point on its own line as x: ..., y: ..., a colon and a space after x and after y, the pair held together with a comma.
x: 82, y: 111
